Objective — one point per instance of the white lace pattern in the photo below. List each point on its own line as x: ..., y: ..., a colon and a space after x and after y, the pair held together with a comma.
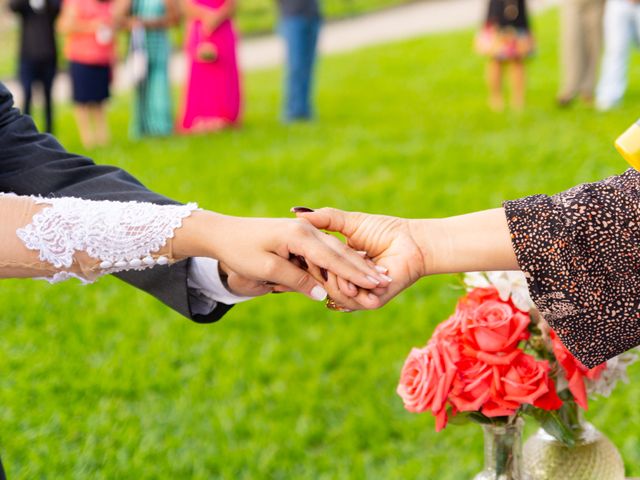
x: 121, y: 235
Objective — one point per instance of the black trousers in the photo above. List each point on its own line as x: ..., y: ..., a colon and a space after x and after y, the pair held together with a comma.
x: 2, y: 475
x: 43, y: 72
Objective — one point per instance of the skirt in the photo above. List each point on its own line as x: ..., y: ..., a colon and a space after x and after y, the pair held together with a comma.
x: 505, y: 43
x: 90, y: 83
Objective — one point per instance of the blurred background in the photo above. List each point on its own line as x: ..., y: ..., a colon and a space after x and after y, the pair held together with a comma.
x: 102, y: 381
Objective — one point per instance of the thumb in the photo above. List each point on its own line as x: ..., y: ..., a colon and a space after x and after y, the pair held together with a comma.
x: 331, y: 219
x: 295, y: 279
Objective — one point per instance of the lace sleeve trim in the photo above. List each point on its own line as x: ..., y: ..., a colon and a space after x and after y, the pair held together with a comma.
x: 120, y: 235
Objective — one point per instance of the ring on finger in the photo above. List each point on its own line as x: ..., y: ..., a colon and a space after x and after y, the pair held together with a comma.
x: 332, y: 305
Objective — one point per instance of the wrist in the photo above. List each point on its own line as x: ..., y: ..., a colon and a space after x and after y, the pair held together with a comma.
x: 429, y: 237
x: 199, y: 235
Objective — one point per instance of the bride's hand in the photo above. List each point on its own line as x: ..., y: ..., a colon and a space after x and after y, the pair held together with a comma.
x: 259, y: 249
x: 389, y: 241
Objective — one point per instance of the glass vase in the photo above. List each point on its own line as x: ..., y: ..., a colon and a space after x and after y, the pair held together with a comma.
x: 503, y: 452
x: 593, y: 456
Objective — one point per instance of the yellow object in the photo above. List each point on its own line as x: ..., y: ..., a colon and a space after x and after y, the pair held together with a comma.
x: 628, y: 144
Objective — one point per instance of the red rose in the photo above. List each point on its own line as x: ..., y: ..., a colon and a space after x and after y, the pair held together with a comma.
x: 574, y: 370
x: 550, y: 400
x: 475, y: 298
x: 492, y: 329
x: 472, y: 386
x: 525, y: 380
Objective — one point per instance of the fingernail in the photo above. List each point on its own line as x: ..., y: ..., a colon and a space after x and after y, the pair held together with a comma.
x: 303, y: 262
x: 301, y: 210
x: 351, y: 286
x: 386, y: 277
x: 374, y: 280
x: 318, y: 293
x: 362, y: 253
x: 381, y: 269
x: 325, y: 274
x: 372, y: 296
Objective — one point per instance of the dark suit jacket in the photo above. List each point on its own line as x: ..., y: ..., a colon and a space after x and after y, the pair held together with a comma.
x: 32, y: 163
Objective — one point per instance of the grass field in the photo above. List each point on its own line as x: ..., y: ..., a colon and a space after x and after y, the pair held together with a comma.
x: 103, y: 382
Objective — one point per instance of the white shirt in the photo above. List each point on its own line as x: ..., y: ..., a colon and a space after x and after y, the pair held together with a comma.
x: 206, y: 288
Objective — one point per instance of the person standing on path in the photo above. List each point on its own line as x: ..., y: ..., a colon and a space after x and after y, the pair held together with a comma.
x: 507, y: 41
x: 580, y: 49
x: 153, y: 115
x: 212, y: 98
x: 38, y: 58
x: 621, y: 29
x: 90, y: 48
x: 300, y: 22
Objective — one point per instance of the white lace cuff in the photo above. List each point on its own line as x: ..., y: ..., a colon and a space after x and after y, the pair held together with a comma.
x: 118, y: 235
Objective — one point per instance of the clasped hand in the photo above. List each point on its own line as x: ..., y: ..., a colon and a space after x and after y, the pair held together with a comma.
x: 380, y: 259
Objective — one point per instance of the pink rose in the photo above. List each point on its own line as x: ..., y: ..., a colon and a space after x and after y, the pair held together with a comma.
x: 575, y: 371
x: 426, y: 379
x: 450, y: 328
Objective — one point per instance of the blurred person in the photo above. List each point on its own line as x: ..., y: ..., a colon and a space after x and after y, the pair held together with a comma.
x: 580, y: 49
x: 88, y: 28
x: 212, y: 96
x: 621, y: 30
x: 507, y: 41
x: 151, y: 19
x: 38, y: 57
x: 300, y: 22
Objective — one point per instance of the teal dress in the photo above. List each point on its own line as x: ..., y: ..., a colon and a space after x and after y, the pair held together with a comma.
x: 153, y: 113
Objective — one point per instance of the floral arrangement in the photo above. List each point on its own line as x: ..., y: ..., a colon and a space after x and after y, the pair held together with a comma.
x: 495, y: 359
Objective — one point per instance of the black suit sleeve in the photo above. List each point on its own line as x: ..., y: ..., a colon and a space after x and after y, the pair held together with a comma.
x: 32, y: 163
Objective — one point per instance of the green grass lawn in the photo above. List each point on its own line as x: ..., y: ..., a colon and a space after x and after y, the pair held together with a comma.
x: 103, y: 382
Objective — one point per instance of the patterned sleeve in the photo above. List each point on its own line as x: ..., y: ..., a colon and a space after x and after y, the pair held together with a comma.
x: 580, y: 252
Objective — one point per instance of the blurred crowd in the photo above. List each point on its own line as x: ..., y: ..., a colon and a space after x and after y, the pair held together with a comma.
x: 596, y: 35
x: 211, y: 99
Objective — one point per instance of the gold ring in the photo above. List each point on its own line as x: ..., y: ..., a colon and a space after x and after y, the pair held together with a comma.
x: 332, y: 305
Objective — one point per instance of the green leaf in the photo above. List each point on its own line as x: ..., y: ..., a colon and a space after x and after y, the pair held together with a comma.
x: 551, y: 422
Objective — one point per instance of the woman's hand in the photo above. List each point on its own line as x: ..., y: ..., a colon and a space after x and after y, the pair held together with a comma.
x: 388, y: 241
x: 259, y: 249
x: 411, y: 249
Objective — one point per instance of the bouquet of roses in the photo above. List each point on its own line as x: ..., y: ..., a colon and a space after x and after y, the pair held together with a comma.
x: 495, y: 359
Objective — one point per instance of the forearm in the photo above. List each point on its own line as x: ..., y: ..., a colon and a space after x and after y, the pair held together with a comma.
x: 87, y: 239
x: 477, y: 241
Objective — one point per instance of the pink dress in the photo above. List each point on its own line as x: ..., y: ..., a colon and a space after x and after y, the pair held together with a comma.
x: 212, y: 94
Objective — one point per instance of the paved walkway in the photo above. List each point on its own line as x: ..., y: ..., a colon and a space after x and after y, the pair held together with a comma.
x: 399, y: 23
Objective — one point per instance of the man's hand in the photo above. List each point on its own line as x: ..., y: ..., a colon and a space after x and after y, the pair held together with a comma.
x: 242, y: 286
